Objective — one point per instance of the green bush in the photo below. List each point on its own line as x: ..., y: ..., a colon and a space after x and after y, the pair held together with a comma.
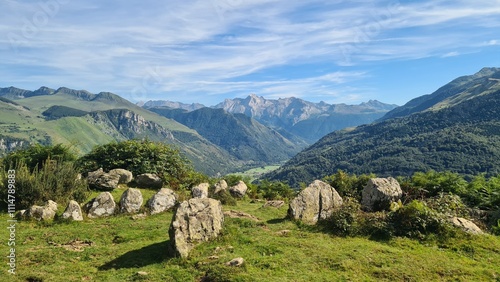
x: 417, y: 220
x: 223, y: 196
x: 433, y: 182
x: 348, y: 185
x: 57, y: 181
x: 345, y: 220
x: 35, y: 156
x: 275, y: 190
x: 448, y: 204
x: 143, y: 157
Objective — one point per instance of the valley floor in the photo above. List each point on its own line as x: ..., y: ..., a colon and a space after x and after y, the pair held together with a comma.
x: 275, y: 249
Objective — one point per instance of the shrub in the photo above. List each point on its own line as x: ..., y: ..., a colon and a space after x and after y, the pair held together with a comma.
x: 36, y: 155
x: 142, y: 157
x: 348, y: 185
x: 57, y: 181
x: 275, y: 190
x: 345, y: 220
x: 417, y: 220
x: 448, y: 204
x: 223, y: 196
x: 433, y: 182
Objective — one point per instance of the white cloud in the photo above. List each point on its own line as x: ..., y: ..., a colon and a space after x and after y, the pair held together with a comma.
x: 148, y: 49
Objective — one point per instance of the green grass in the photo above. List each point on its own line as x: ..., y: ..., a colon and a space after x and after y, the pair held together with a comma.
x: 122, y: 247
x: 255, y: 173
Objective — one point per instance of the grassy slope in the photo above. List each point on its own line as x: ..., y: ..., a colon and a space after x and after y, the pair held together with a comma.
x: 123, y: 246
x: 30, y: 125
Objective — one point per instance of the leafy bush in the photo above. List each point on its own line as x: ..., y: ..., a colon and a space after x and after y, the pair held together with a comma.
x: 223, y: 196
x: 275, y: 190
x: 348, y: 185
x: 36, y: 155
x: 57, y: 181
x: 142, y: 157
x: 496, y: 229
x: 448, y: 204
x: 433, y: 182
x: 483, y: 193
x: 417, y: 220
x: 345, y: 220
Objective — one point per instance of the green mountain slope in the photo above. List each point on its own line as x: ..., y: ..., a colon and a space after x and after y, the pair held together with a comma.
x: 459, y: 132
x: 109, y: 118
x: 243, y: 137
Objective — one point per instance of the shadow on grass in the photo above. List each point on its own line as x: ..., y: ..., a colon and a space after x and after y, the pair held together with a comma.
x: 277, y: 220
x: 152, y: 254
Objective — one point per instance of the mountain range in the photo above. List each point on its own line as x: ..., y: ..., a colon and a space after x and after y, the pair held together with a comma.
x: 215, y: 139
x: 456, y: 128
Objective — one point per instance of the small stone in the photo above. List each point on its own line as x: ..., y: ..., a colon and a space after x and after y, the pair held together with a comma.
x: 125, y: 175
x: 73, y: 211
x: 102, y: 205
x: 239, y: 190
x: 163, y: 200
x: 131, y: 201
x: 237, y: 262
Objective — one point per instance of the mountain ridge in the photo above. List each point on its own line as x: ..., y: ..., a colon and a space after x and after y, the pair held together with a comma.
x: 450, y: 133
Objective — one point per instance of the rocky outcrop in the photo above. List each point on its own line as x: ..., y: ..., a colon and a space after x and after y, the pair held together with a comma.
x: 131, y: 201
x: 148, y: 180
x: 73, y: 211
x: 318, y: 201
x: 219, y: 186
x: 466, y: 225
x: 102, y: 181
x: 379, y: 193
x: 196, y: 220
x: 125, y: 175
x: 163, y: 200
x: 46, y: 212
x: 101, y: 206
x: 239, y: 190
x: 200, y: 191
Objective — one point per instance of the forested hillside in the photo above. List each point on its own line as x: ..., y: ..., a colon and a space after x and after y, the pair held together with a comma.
x: 459, y: 133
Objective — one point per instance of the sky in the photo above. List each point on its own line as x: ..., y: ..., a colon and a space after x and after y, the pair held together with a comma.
x: 209, y: 50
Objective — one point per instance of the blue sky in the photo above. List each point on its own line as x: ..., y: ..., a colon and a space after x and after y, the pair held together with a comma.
x: 205, y: 51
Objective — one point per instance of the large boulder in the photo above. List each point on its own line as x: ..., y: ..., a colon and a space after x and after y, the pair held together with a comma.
x: 102, y: 181
x: 239, y: 190
x: 379, y: 193
x: 125, y: 175
x: 131, y: 201
x: 148, y: 180
x: 466, y: 225
x: 219, y: 186
x: 317, y: 201
x: 101, y: 206
x: 46, y: 212
x: 163, y: 200
x: 73, y: 211
x: 200, y: 191
x: 196, y: 220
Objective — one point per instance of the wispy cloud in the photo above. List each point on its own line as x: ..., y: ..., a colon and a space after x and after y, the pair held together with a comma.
x: 208, y: 50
